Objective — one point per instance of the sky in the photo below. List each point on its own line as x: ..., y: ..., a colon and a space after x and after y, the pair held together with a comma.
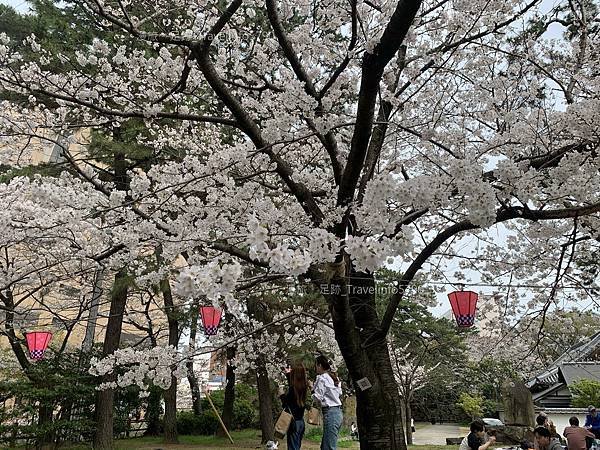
x: 20, y: 5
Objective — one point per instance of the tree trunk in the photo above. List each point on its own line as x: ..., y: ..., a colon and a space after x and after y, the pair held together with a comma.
x: 356, y: 326
x: 170, y: 395
x: 408, y: 413
x: 170, y: 419
x: 403, y: 416
x: 378, y: 408
x: 103, y: 439
x: 229, y: 393
x: 265, y: 402
x: 15, y: 344
x: 153, y: 412
x: 265, y: 397
x: 45, y: 442
x: 191, y: 375
x: 90, y: 329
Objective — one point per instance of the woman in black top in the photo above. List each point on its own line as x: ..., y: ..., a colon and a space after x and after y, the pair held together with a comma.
x: 294, y: 402
x: 476, y: 438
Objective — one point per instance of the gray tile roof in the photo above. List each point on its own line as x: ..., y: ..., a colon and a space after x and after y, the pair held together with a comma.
x: 575, y: 371
x: 579, y: 352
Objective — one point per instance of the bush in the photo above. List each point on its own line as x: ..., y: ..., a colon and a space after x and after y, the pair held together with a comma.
x: 585, y: 392
x: 60, y: 389
x: 189, y: 423
x: 472, y: 405
x: 245, y: 412
x: 53, y: 385
x: 314, y: 434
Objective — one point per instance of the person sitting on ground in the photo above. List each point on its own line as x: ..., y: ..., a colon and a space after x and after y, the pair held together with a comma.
x: 527, y: 445
x: 464, y: 444
x: 576, y: 435
x: 544, y: 441
x: 543, y: 420
x: 476, y: 438
x: 592, y: 421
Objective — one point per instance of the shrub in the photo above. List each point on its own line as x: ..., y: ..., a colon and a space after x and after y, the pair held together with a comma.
x: 585, y: 392
x: 189, y: 423
x: 472, y: 405
x: 314, y: 434
x: 55, y: 387
x: 245, y: 412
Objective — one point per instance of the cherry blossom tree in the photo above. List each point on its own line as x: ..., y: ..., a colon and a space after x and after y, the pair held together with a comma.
x: 411, y: 375
x: 323, y: 140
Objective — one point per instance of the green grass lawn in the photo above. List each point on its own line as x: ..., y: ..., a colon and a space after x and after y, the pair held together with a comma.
x: 432, y: 447
x: 242, y: 439
x: 245, y: 439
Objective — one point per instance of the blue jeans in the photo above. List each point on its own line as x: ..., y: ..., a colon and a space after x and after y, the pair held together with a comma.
x: 332, y: 422
x: 294, y: 434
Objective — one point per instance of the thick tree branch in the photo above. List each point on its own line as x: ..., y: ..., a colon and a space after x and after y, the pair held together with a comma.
x: 379, y: 132
x: 372, y: 70
x: 328, y: 140
x: 288, y: 50
x: 247, y: 125
x: 130, y: 114
x: 502, y: 216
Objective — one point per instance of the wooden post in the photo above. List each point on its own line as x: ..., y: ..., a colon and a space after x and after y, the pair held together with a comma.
x: 218, y: 416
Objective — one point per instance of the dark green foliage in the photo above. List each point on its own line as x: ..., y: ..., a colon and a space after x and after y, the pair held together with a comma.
x: 127, y: 403
x: 486, y: 377
x: 61, y: 391
x: 439, y: 400
x: 245, y: 412
x: 154, y: 410
x: 55, y: 389
x: 585, y: 392
x: 59, y: 27
x: 15, y: 25
x: 46, y: 170
x: 189, y: 423
x: 103, y: 147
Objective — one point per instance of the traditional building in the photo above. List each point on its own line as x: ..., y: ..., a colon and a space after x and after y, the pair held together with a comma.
x: 550, y: 388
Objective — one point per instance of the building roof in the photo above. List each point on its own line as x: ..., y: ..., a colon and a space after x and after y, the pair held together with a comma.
x: 581, y: 351
x: 575, y: 371
x: 578, y: 353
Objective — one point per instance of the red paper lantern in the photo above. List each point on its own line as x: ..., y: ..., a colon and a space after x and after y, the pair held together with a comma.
x: 37, y: 343
x: 464, y: 305
x: 211, y: 317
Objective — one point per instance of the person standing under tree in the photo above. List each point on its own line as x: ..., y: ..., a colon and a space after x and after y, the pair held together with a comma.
x: 327, y: 391
x: 294, y: 401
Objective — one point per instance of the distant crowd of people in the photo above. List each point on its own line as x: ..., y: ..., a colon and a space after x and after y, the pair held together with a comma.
x: 546, y: 436
x: 577, y: 437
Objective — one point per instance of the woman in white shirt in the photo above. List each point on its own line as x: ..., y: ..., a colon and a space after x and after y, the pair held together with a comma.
x: 327, y: 391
